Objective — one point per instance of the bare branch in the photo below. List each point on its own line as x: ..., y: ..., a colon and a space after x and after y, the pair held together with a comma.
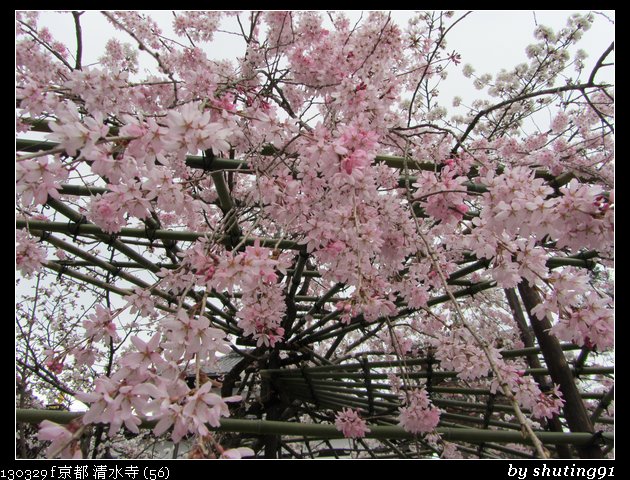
x: 77, y: 25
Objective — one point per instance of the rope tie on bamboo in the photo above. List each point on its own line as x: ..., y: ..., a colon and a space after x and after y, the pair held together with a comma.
x: 169, y: 245
x: 208, y: 159
x: 486, y: 419
x: 150, y: 233
x: 368, y: 384
x: 597, y: 439
x: 44, y: 236
x: 309, y: 384
x: 580, y: 361
x: 112, y: 238
x: 74, y: 227
x: 63, y: 269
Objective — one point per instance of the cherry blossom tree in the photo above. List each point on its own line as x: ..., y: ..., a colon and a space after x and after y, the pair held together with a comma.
x: 309, y: 204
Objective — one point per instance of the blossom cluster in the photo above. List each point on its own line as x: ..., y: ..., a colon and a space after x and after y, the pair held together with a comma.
x: 39, y: 178
x: 254, y: 274
x: 418, y: 415
x: 351, y: 424
x: 583, y: 316
x: 148, y: 383
x: 29, y: 255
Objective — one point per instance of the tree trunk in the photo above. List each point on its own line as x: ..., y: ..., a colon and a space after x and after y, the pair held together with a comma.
x: 574, y: 410
x: 553, y: 423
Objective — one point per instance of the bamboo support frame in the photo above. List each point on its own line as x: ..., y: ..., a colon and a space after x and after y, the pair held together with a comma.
x: 91, y: 229
x: 116, y: 270
x: 356, y: 388
x: 411, y: 362
x: 439, y: 373
x: 329, y: 386
x: 77, y: 220
x: 61, y: 268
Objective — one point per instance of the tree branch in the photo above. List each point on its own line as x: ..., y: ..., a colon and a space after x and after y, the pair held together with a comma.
x: 549, y: 91
x: 77, y: 25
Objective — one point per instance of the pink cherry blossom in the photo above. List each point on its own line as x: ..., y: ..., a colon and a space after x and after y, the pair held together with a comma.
x: 100, y: 325
x: 457, y: 352
x: 549, y: 404
x: 187, y: 337
x: 418, y: 415
x: 38, y: 178
x: 106, y: 213
x: 74, y: 133
x: 141, y: 302
x: 146, y: 356
x: 29, y: 255
x: 61, y: 438
x: 185, y: 411
x: 351, y: 424
x: 190, y: 130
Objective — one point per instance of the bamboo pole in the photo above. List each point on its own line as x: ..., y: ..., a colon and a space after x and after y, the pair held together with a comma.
x: 347, y: 400
x: 62, y: 270
x: 519, y: 352
x: 462, y: 272
x: 479, y: 420
x: 376, y: 386
x: 340, y: 374
x: 219, y: 163
x: 115, y: 264
x: 319, y: 302
x: 91, y: 229
x: 227, y: 207
x: 267, y: 427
